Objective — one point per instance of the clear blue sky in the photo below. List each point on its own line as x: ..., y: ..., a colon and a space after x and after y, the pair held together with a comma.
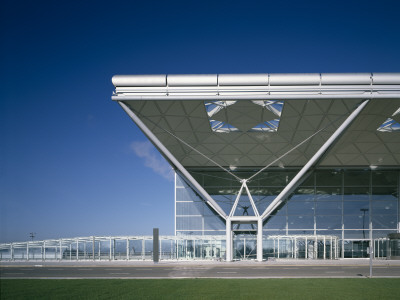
x: 71, y: 161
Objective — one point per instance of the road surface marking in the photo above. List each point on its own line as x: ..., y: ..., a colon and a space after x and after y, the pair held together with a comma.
x: 227, y: 272
x: 119, y: 273
x: 332, y: 272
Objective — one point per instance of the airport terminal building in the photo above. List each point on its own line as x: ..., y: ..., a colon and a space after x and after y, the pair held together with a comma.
x: 289, y: 165
x: 302, y: 166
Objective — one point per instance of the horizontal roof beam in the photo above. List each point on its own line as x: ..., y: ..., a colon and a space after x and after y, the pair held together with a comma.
x: 264, y: 79
x: 250, y: 96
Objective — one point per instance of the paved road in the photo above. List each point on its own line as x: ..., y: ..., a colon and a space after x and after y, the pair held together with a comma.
x: 196, y: 271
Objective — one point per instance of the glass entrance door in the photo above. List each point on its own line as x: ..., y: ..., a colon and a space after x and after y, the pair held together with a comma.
x: 244, y: 245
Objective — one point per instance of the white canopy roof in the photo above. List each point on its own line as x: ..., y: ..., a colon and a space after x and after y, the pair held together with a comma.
x: 251, y: 119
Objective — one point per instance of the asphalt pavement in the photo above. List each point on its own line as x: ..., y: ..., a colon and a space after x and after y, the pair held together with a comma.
x: 200, y: 269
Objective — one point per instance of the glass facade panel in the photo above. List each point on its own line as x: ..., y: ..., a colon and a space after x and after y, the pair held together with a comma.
x: 300, y: 208
x: 384, y: 178
x: 384, y: 221
x: 328, y: 178
x: 301, y: 232
x: 328, y: 194
x: 303, y: 194
x: 275, y: 179
x: 329, y: 202
x: 355, y: 207
x: 356, y: 234
x: 192, y: 222
x: 356, y: 193
x: 356, y: 178
x: 300, y: 222
x: 382, y: 233
x: 276, y: 222
x: 337, y: 233
x: 262, y: 202
x: 213, y: 223
x: 328, y: 208
x: 384, y: 207
x: 268, y: 232
x: 189, y: 208
x: 355, y: 222
x: 356, y: 249
x: 328, y: 222
x: 384, y: 193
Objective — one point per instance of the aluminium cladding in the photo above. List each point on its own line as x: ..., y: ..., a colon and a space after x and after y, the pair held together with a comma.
x: 250, y: 120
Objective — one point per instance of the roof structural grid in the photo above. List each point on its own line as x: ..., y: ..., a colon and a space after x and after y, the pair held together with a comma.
x: 250, y: 120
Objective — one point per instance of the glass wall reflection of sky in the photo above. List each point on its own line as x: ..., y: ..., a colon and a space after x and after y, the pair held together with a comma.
x: 338, y: 202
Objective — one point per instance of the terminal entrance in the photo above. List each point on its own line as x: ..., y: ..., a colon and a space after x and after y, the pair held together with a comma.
x: 244, y: 244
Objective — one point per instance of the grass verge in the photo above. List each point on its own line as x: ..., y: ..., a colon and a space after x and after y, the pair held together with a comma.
x: 321, y: 289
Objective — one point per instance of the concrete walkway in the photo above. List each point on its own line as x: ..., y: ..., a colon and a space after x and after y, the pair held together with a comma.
x: 133, y: 263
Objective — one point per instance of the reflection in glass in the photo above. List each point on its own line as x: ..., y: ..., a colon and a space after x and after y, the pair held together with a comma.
x: 328, y: 178
x: 356, y: 178
x: 328, y: 208
x: 299, y: 222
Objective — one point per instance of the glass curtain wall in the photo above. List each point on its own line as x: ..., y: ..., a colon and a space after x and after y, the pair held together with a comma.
x: 351, y: 204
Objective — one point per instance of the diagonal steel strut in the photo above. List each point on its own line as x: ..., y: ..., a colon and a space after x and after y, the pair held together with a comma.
x: 173, y: 160
x: 297, y: 179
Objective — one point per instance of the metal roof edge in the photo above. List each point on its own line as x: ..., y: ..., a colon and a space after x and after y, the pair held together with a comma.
x: 260, y: 79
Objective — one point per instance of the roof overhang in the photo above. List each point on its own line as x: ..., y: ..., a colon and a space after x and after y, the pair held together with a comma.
x: 256, y: 86
x: 174, y: 108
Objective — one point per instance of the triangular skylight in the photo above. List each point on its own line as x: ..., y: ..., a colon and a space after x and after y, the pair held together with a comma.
x: 219, y: 126
x: 219, y: 122
x: 213, y: 107
x: 273, y: 106
x: 391, y: 125
x: 268, y: 126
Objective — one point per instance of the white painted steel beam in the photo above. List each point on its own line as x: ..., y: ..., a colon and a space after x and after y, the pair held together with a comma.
x: 229, y: 244
x: 297, y: 179
x: 262, y: 79
x: 244, y: 219
x: 260, y: 239
x: 249, y: 96
x: 257, y: 86
x: 174, y: 161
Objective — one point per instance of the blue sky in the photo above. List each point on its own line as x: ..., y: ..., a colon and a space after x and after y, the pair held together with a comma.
x: 71, y: 161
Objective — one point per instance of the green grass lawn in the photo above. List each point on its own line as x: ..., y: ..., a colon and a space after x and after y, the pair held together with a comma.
x: 322, y: 289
